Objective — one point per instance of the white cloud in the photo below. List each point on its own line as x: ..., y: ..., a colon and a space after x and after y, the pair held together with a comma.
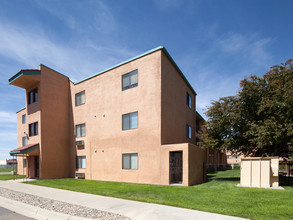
x: 252, y: 48
x: 92, y: 15
x: 77, y: 60
x: 7, y: 117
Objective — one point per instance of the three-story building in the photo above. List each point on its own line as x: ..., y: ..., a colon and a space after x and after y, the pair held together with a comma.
x: 134, y: 122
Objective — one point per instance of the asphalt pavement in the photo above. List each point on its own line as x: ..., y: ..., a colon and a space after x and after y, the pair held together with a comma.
x: 6, y: 214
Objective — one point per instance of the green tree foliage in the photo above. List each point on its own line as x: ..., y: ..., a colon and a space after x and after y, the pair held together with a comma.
x: 258, y: 120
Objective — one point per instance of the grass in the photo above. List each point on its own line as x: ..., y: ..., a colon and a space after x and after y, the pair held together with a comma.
x: 5, y: 169
x: 219, y: 195
x: 10, y: 177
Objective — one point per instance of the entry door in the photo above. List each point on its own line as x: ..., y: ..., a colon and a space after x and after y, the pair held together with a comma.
x: 37, y: 166
x: 175, y: 165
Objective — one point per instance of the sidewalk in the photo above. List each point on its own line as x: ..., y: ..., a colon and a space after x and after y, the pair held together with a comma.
x: 132, y: 209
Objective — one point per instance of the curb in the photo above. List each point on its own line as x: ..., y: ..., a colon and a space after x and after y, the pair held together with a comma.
x: 35, y: 212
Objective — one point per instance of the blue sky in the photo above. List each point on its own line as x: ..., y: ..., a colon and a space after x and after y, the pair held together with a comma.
x: 216, y: 43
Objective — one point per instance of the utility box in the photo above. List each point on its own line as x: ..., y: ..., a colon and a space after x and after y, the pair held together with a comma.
x: 260, y: 172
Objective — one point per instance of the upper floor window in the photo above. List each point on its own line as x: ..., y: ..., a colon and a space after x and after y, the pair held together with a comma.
x: 129, y: 80
x: 80, y: 130
x: 188, y: 131
x: 130, y: 161
x: 24, y: 140
x: 130, y: 121
x: 33, y: 129
x: 80, y: 162
x: 32, y: 96
x: 188, y: 100
x: 23, y: 119
x: 79, y: 98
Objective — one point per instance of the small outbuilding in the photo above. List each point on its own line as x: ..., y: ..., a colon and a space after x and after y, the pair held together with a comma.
x: 262, y: 172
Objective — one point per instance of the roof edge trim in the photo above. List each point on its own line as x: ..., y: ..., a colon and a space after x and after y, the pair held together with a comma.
x: 124, y: 62
x: 53, y: 70
x: 24, y: 72
x: 20, y: 110
x: 24, y: 151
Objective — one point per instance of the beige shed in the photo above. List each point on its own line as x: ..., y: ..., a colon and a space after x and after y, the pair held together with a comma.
x: 260, y: 172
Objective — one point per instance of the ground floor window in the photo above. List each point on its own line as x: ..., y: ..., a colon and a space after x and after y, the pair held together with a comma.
x: 80, y: 162
x: 130, y: 161
x: 24, y: 163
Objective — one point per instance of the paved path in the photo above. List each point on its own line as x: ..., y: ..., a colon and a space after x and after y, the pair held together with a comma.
x: 134, y: 210
x: 6, y: 214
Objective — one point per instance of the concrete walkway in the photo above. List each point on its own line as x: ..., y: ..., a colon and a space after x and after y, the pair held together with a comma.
x: 131, y: 209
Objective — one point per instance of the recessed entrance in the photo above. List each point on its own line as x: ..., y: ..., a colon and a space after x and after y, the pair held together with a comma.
x: 175, y: 164
x: 36, y: 166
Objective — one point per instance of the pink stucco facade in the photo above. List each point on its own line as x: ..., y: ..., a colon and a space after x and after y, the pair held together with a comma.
x: 160, y: 144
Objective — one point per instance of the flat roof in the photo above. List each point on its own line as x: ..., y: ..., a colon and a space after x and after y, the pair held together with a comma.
x: 24, y: 72
x: 36, y: 71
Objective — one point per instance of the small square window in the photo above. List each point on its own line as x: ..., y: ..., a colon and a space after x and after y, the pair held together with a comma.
x: 188, y: 131
x: 24, y: 140
x: 130, y: 161
x: 80, y: 130
x: 33, y: 129
x: 79, y: 98
x: 80, y: 162
x: 130, y: 121
x: 130, y: 80
x: 24, y: 119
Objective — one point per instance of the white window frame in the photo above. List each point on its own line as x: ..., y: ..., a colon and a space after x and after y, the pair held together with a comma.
x: 130, y: 161
x: 80, y: 162
x: 78, y: 130
x: 128, y: 121
x: 80, y: 98
x: 128, y: 77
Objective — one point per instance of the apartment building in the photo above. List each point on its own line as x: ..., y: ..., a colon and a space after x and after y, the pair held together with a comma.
x: 134, y: 122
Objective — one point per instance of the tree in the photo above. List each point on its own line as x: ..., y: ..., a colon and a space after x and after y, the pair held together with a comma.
x: 258, y: 120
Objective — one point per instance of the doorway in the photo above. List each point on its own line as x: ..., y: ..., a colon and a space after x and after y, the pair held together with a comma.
x: 175, y: 164
x: 37, y: 172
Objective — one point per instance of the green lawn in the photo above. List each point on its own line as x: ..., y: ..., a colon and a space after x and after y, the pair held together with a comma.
x: 10, y: 177
x: 219, y: 195
x: 5, y: 169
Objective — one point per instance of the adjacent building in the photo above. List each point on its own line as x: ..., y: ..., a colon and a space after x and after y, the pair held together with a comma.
x: 134, y: 122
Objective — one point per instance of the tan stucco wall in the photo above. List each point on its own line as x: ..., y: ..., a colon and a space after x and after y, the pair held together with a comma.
x: 105, y: 141
x: 175, y: 113
x: 193, y: 166
x: 55, y: 104
x: 159, y: 99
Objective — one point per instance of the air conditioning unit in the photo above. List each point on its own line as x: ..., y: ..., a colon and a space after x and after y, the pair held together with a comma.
x: 79, y: 143
x: 79, y: 175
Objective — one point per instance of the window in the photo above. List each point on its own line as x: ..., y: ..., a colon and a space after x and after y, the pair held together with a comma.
x: 32, y: 96
x: 188, y: 100
x: 129, y: 121
x: 130, y: 161
x: 24, y: 141
x: 33, y: 129
x: 24, y: 119
x: 79, y: 98
x: 188, y: 131
x: 129, y: 80
x: 80, y: 130
x: 24, y: 163
x: 80, y: 162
